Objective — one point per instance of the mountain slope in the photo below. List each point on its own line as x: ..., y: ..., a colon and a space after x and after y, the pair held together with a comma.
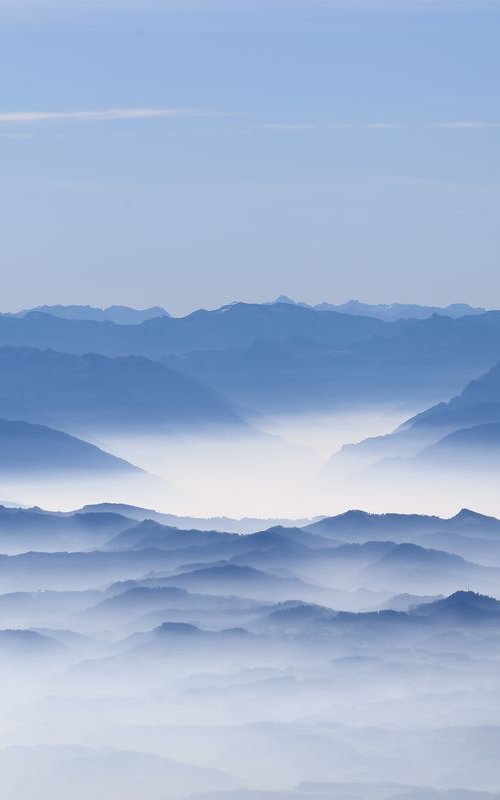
x: 93, y: 391
x: 475, y: 408
x: 479, y: 444
x: 478, y: 403
x: 27, y: 449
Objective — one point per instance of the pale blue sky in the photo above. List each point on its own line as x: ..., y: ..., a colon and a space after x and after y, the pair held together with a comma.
x: 194, y: 153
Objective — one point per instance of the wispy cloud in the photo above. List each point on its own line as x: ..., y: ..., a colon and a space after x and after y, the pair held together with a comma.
x: 474, y: 125
x: 450, y: 125
x: 26, y: 118
x: 103, y: 115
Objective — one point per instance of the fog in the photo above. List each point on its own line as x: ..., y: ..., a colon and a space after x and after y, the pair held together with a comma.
x: 174, y: 665
x: 275, y: 471
x: 326, y: 660
x: 288, y: 469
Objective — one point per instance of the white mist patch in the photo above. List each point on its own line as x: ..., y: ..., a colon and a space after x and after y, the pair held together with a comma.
x: 277, y: 474
x: 285, y: 471
x: 324, y: 434
x: 235, y: 476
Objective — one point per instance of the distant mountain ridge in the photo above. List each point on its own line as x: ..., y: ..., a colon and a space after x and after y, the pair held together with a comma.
x: 286, y: 357
x: 120, y: 315
x: 126, y: 315
x: 392, y: 311
x: 233, y: 326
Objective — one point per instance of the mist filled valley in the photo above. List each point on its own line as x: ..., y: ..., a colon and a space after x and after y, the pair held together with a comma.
x: 250, y: 553
x: 272, y: 411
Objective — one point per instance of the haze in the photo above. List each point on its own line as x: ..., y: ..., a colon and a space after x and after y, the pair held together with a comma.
x: 328, y: 150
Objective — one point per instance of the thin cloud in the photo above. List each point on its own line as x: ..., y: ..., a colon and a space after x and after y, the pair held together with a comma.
x: 104, y: 115
x: 466, y: 125
x: 450, y: 125
x: 123, y: 114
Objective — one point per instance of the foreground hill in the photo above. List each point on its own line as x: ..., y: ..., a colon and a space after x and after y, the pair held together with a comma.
x: 79, y: 772
x: 349, y: 654
x: 23, y: 529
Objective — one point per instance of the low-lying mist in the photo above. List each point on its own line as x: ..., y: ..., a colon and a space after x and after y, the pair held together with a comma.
x: 328, y: 660
x: 285, y: 470
x: 331, y: 661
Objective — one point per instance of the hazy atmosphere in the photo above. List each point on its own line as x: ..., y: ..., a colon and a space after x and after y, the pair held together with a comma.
x: 249, y: 400
x: 196, y: 153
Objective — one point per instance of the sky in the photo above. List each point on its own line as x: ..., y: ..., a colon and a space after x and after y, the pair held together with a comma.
x: 193, y: 153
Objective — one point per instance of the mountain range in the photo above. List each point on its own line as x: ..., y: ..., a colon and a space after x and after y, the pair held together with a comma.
x: 136, y: 656
x: 120, y: 315
x: 124, y: 315
x: 390, y: 312
x: 412, y: 362
x: 255, y: 358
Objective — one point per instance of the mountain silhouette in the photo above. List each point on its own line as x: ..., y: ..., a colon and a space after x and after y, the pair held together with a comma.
x: 286, y: 357
x: 234, y: 326
x: 33, y: 529
x: 480, y: 442
x: 462, y: 606
x: 467, y: 422
x: 30, y: 449
x: 477, y: 404
x: 396, y: 311
x: 314, y: 369
x: 389, y: 312
x: 120, y: 315
x: 93, y: 391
